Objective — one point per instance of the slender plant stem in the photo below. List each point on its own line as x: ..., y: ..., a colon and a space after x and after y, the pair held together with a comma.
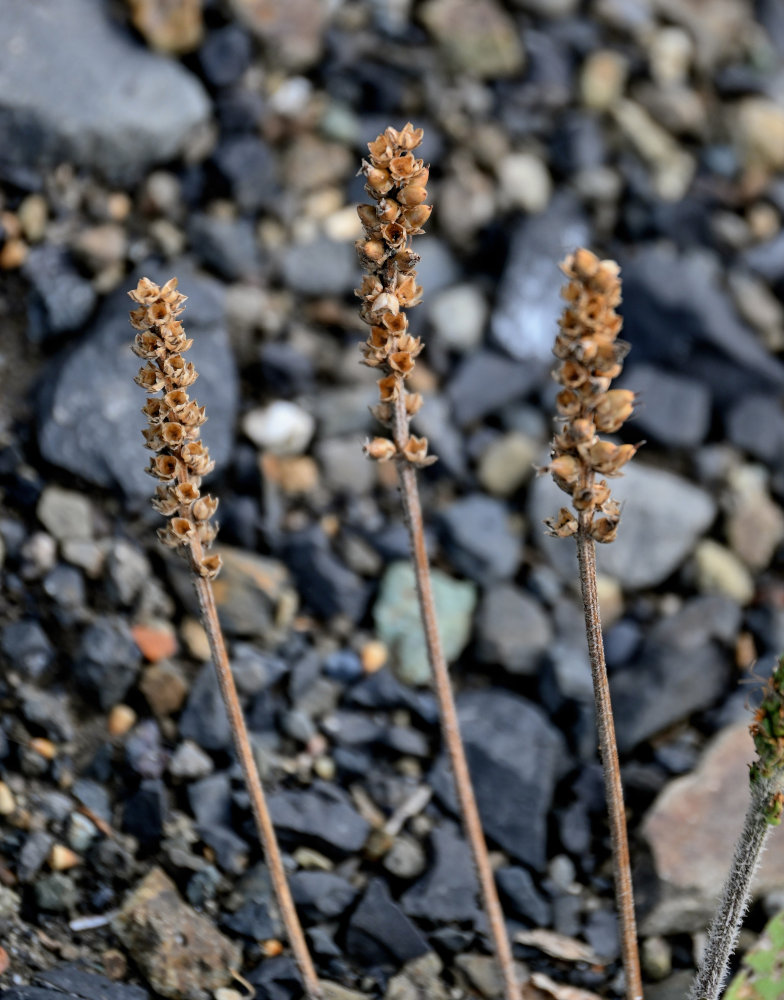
x: 449, y: 725
x: 586, y: 558
x: 288, y: 912
x: 724, y: 931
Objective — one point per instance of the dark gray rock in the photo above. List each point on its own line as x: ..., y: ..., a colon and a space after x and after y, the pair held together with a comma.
x: 486, y: 381
x: 144, y: 751
x: 512, y: 629
x: 254, y: 670
x: 321, y: 895
x: 204, y: 718
x: 94, y: 796
x: 676, y: 304
x: 33, y: 854
x: 92, y: 427
x: 767, y: 259
x: 248, y: 165
x: 56, y: 893
x: 87, y: 985
x: 672, y: 409
x: 321, y: 817
x: 225, y: 246
x: 145, y: 811
x: 257, y: 917
x: 108, y: 660
x: 65, y: 585
x: 681, y: 669
x: 518, y: 891
x: 756, y: 424
x: 225, y: 55
x: 27, y: 648
x: 95, y: 98
x: 435, y: 422
x: 515, y: 757
x: 529, y: 300
x: 478, y: 539
x: 322, y: 267
x: 60, y: 298
x: 448, y: 892
x: 663, y: 516
x: 48, y: 709
x: 325, y: 584
x: 379, y: 933
x: 601, y: 933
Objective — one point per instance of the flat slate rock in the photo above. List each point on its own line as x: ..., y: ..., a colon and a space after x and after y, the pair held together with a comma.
x: 683, y: 667
x: 88, y: 985
x: 380, y: 933
x: 449, y: 889
x: 664, y: 516
x: 676, y: 304
x: 321, y: 817
x: 515, y: 756
x: 525, y: 320
x: 96, y: 98
x: 90, y: 422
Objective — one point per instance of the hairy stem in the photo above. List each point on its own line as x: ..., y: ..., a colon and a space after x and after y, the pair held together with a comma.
x: 724, y: 931
x: 258, y: 801
x: 624, y: 897
x: 449, y: 725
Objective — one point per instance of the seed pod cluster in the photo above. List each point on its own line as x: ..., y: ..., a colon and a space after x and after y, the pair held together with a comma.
x: 590, y: 356
x: 181, y: 458
x: 396, y: 180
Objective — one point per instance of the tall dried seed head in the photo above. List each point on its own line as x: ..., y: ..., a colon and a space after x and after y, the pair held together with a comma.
x: 396, y: 180
x: 590, y: 356
x: 181, y: 458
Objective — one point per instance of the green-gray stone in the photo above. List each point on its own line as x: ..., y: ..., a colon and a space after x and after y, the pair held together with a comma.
x: 396, y: 614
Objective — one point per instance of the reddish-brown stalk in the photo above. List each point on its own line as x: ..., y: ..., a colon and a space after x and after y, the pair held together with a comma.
x: 180, y: 461
x: 396, y: 180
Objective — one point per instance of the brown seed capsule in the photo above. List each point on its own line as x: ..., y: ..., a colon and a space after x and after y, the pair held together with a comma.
x: 381, y: 449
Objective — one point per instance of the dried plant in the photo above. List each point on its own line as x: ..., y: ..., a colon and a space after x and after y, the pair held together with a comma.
x: 591, y: 356
x: 396, y: 180
x: 766, y: 777
x: 181, y: 459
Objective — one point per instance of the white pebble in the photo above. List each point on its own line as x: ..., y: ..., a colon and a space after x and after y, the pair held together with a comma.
x: 281, y: 428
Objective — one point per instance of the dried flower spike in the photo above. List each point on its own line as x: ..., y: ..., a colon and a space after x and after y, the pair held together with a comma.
x: 590, y: 356
x: 180, y: 461
x: 396, y: 180
x: 174, y: 420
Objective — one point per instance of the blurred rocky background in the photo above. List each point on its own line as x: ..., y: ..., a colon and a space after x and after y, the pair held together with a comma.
x: 219, y: 140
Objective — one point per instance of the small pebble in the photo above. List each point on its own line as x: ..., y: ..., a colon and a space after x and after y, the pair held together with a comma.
x: 122, y: 719
x: 282, y: 428
x: 7, y: 800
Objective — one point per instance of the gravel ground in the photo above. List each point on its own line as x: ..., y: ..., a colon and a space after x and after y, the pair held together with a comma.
x: 218, y: 140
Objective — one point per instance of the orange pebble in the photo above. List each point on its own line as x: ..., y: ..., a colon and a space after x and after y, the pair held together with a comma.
x: 156, y: 642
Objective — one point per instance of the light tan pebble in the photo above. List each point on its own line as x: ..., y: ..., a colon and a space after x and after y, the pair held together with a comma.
x: 33, y: 214
x: 61, y: 858
x: 603, y: 79
x: 121, y: 720
x: 13, y: 254
x: 195, y: 639
x: 610, y: 599
x: 7, y: 800
x: 43, y: 747
x: 373, y: 656
x: 720, y: 571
